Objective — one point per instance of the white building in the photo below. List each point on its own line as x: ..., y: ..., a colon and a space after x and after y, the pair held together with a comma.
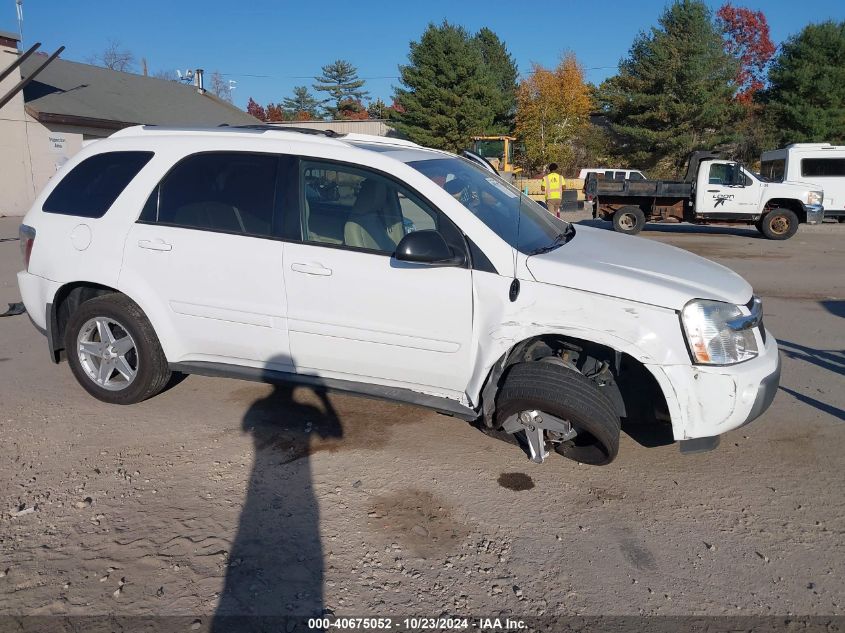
x: 69, y: 102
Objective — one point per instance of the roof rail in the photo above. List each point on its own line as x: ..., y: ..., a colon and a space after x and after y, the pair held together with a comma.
x: 380, y: 140
x: 265, y: 127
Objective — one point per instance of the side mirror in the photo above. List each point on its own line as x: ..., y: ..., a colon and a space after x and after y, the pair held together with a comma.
x: 427, y: 247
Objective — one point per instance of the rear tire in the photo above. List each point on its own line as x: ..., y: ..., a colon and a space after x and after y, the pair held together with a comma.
x: 568, y: 395
x: 629, y: 220
x: 114, y: 352
x: 779, y: 224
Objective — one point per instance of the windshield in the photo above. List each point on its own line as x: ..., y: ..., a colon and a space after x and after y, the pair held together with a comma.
x: 513, y: 216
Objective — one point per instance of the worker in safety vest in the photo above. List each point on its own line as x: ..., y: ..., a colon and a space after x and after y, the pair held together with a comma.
x: 553, y: 186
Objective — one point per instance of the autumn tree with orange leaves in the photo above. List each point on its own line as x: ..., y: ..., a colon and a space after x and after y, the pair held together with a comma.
x: 746, y: 34
x: 747, y: 40
x: 553, y: 109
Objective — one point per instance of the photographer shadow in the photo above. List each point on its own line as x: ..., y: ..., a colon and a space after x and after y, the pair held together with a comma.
x: 275, y: 567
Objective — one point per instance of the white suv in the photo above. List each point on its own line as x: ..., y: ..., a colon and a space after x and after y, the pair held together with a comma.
x: 387, y: 269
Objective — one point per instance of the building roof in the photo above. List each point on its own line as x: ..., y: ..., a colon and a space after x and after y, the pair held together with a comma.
x: 81, y: 94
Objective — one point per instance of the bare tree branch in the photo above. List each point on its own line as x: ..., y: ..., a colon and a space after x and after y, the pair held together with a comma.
x: 115, y: 57
x: 219, y: 87
x: 168, y: 75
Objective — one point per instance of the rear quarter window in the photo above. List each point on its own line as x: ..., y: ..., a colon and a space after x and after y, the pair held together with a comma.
x: 90, y: 189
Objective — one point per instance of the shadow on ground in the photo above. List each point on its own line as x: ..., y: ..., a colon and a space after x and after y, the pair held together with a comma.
x: 681, y: 228
x: 836, y: 308
x: 829, y: 359
x: 824, y: 407
x: 276, y: 562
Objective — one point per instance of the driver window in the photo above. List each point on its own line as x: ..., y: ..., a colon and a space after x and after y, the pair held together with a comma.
x: 719, y: 174
x: 363, y: 210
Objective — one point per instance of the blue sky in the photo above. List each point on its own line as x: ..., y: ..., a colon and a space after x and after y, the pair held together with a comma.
x: 270, y: 46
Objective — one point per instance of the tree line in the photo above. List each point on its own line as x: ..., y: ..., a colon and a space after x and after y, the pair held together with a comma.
x: 697, y: 79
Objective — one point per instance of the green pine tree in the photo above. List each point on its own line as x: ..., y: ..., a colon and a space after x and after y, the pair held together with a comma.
x: 340, y: 80
x: 378, y: 109
x: 674, y: 92
x: 302, y: 101
x: 806, y: 98
x: 504, y: 73
x: 447, y: 94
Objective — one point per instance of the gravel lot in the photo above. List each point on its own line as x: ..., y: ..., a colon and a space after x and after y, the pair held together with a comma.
x: 233, y: 497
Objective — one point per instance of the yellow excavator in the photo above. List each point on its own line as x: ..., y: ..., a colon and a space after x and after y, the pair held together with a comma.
x: 498, y: 151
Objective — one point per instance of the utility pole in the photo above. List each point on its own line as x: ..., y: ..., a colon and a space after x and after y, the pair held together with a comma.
x: 19, y: 7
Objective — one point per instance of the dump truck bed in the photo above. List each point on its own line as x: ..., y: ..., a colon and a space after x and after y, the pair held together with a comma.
x: 598, y: 187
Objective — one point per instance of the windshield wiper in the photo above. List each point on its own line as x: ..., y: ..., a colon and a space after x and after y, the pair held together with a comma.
x: 560, y: 240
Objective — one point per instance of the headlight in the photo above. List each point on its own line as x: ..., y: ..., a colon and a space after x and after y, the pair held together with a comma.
x: 719, y: 333
x: 815, y: 197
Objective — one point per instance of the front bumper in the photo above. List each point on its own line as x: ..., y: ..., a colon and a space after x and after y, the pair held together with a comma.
x: 706, y: 401
x: 815, y: 213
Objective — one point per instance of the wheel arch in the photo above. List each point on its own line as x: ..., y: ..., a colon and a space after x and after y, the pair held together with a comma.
x: 787, y: 203
x: 620, y: 374
x: 66, y: 300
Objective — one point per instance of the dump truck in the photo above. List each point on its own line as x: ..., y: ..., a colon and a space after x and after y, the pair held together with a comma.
x: 714, y: 190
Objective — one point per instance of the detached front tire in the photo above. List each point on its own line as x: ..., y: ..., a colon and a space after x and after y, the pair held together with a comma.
x: 779, y: 224
x: 568, y: 395
x: 114, y: 352
x: 630, y: 220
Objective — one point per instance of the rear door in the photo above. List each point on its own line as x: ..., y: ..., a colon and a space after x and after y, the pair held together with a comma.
x: 206, y: 251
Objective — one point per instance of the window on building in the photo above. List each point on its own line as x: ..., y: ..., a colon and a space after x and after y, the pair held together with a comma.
x: 825, y: 167
x: 91, y: 188
x: 231, y: 192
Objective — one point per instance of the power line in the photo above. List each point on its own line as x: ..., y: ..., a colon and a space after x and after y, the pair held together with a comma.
x: 366, y: 78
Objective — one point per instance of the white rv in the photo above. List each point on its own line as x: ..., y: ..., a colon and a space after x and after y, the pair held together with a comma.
x: 821, y: 164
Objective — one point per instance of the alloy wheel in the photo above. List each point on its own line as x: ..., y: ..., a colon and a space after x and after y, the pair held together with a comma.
x: 107, y: 353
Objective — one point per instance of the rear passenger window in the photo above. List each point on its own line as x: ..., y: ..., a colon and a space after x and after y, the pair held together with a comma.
x: 91, y: 187
x: 228, y: 192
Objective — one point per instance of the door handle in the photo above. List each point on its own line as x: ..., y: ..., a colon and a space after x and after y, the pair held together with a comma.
x: 311, y: 269
x: 155, y: 245
x: 712, y: 191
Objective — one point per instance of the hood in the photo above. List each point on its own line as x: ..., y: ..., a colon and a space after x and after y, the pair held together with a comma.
x: 608, y: 263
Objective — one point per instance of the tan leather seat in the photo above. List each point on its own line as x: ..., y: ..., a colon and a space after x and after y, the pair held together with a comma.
x: 375, y: 221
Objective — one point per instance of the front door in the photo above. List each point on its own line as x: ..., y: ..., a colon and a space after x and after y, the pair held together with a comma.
x: 728, y: 191
x: 357, y: 313
x: 205, y: 248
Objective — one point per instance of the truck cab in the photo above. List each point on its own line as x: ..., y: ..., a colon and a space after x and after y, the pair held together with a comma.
x: 727, y: 191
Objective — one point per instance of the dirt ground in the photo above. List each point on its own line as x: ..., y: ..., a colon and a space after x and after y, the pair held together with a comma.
x: 229, y: 497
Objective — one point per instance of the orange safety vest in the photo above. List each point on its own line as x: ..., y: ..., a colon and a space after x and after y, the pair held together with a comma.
x: 553, y: 186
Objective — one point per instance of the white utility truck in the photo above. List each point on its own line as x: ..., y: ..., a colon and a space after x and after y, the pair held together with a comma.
x: 713, y: 190
x: 821, y: 164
